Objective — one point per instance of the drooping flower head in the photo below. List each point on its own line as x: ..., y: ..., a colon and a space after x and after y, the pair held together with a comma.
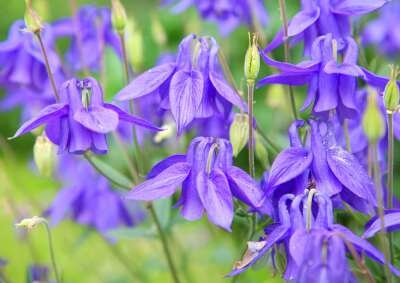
x: 321, y: 162
x: 191, y: 87
x: 320, y: 17
x: 38, y: 273
x: 23, y: 71
x: 88, y: 199
x: 81, y: 119
x: 90, y: 32
x: 314, y: 245
x: 208, y: 178
x: 227, y: 14
x: 384, y: 31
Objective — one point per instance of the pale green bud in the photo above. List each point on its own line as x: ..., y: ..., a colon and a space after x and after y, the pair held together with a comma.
x: 135, y: 45
x: 168, y: 132
x: 373, y: 123
x: 118, y: 16
x: 45, y: 156
x: 260, y: 151
x: 252, y: 60
x: 33, y: 21
x: 239, y: 133
x: 391, y: 94
x: 158, y: 32
x: 31, y: 223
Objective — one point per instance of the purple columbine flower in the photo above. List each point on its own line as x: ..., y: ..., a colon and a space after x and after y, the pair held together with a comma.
x: 331, y: 84
x: 384, y: 32
x: 38, y: 273
x: 314, y: 246
x: 91, y: 32
x: 209, y: 182
x: 89, y: 199
x: 321, y: 162
x: 320, y: 17
x: 227, y: 14
x: 23, y: 70
x: 192, y: 87
x: 81, y: 120
x: 391, y: 221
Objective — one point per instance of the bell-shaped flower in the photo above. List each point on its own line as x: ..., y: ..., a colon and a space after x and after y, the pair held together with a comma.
x: 315, y: 247
x: 383, y: 32
x: 88, y: 199
x: 228, y: 15
x: 391, y: 223
x: 209, y: 182
x: 91, y: 32
x: 331, y: 84
x: 81, y: 119
x: 322, y: 163
x: 320, y: 17
x: 191, y: 87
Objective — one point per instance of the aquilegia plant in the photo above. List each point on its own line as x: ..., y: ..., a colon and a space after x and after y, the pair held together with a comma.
x: 318, y: 206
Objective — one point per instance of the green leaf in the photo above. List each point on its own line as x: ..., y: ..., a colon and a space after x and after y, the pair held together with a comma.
x: 109, y: 172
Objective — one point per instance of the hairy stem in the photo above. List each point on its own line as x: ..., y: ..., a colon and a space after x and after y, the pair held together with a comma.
x: 346, y: 134
x: 282, y: 9
x: 48, y: 69
x: 250, y: 95
x: 390, y: 160
x: 379, y: 193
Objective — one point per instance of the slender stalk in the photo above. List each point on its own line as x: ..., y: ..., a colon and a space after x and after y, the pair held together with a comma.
x: 164, y: 243
x: 128, y: 160
x: 48, y: 69
x: 51, y: 249
x: 379, y: 193
x: 125, y: 263
x: 282, y: 9
x: 390, y: 160
x: 131, y: 105
x: 250, y: 95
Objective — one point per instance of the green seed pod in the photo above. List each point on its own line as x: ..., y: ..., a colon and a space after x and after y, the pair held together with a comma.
x: 239, y: 133
x: 373, y: 123
x: 33, y: 21
x: 45, y: 156
x: 118, y: 16
x: 392, y: 92
x: 252, y: 61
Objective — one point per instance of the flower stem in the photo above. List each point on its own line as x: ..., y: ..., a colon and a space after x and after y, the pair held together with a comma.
x: 379, y: 193
x: 250, y: 95
x: 346, y: 134
x: 48, y: 69
x: 51, y: 249
x: 390, y: 160
x: 282, y: 9
x: 164, y: 243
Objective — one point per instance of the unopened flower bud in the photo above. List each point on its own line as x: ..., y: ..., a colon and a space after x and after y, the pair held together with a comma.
x: 118, y: 16
x: 168, y: 132
x: 31, y: 223
x: 33, y: 21
x: 239, y: 133
x: 373, y: 123
x: 44, y: 154
x: 134, y: 45
x: 260, y: 151
x: 158, y: 32
x: 391, y: 94
x: 252, y: 60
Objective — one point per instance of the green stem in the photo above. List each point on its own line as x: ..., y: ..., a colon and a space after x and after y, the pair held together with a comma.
x: 51, y: 249
x: 379, y: 193
x: 164, y: 243
x: 282, y: 9
x: 129, y: 162
x: 48, y: 69
x: 390, y: 160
